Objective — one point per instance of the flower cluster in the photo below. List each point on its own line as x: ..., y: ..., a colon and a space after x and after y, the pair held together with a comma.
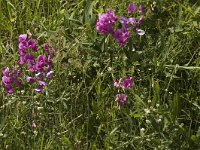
x: 107, y: 21
x: 11, y: 79
x: 37, y: 69
x: 121, y: 85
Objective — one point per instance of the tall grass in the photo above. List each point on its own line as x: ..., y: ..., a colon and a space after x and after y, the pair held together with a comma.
x: 78, y: 111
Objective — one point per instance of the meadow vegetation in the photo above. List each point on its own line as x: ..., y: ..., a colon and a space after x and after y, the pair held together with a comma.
x: 78, y: 109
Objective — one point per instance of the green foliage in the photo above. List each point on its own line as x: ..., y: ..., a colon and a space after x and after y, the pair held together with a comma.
x: 78, y: 111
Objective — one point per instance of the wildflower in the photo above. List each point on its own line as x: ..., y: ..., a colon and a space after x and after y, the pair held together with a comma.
x: 142, y: 10
x: 106, y: 22
x: 127, y: 83
x: 120, y: 98
x: 30, y: 79
x: 49, y: 74
x: 30, y: 59
x: 32, y: 45
x: 122, y: 36
x: 40, y: 87
x: 132, y: 21
x: 141, y: 21
x: 42, y: 83
x: 124, y: 21
x: 116, y: 83
x: 9, y: 88
x: 22, y: 37
x: 132, y: 8
x: 39, y: 75
x: 6, y: 71
x: 9, y: 79
x: 22, y: 48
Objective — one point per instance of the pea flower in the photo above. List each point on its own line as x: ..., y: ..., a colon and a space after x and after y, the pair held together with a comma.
x: 116, y: 83
x: 22, y: 37
x: 120, y: 99
x: 10, y: 79
x: 106, y: 22
x: 127, y: 83
x: 122, y: 36
x: 39, y: 68
x: 30, y: 79
x: 132, y: 8
x: 49, y: 74
x: 142, y: 10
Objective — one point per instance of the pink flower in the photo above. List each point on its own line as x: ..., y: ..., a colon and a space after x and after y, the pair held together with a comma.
x: 32, y: 45
x: 22, y: 47
x: 141, y: 21
x: 116, y: 83
x: 127, y: 83
x: 106, y: 22
x: 122, y: 36
x: 142, y: 10
x: 132, y: 8
x: 30, y: 79
x: 5, y: 71
x: 22, y: 37
x: 120, y: 98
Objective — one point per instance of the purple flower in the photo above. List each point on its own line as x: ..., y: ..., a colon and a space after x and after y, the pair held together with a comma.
x: 39, y: 89
x: 23, y: 45
x: 18, y: 82
x: 46, y: 48
x: 31, y: 68
x: 141, y: 21
x: 9, y: 88
x: 122, y: 36
x: 21, y: 61
x: 17, y: 72
x: 30, y: 59
x: 42, y: 83
x: 22, y: 37
x: 106, y: 22
x: 131, y: 20
x: 120, y: 98
x: 6, y: 71
x: 40, y: 63
x: 49, y: 74
x: 7, y: 79
x: 124, y: 21
x: 141, y: 10
x: 32, y: 45
x: 127, y: 83
x: 132, y: 8
x: 39, y: 75
x: 48, y: 68
x: 30, y: 79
